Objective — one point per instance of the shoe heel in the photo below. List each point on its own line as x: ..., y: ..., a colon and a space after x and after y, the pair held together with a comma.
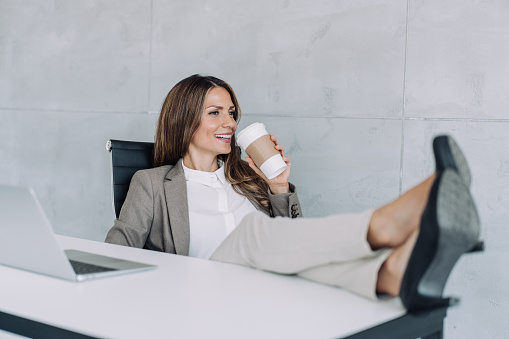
x: 422, y: 303
x: 478, y: 247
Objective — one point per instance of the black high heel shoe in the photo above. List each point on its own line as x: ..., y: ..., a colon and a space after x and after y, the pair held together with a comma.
x: 449, y: 228
x: 449, y: 155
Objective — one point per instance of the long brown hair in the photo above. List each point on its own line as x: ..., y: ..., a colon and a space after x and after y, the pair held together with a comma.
x: 180, y: 118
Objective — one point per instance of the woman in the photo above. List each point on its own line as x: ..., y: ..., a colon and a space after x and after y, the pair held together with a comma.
x: 200, y: 189
x: 203, y: 200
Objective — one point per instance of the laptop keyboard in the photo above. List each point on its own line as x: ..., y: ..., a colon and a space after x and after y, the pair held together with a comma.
x: 84, y: 268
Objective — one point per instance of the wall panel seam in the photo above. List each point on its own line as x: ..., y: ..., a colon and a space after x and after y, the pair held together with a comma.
x: 251, y: 115
x: 403, y: 115
x: 150, y: 52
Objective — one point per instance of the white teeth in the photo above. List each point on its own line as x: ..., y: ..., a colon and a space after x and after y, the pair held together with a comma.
x: 223, y: 136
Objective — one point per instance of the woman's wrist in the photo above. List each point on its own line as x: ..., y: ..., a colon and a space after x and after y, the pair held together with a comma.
x: 280, y: 188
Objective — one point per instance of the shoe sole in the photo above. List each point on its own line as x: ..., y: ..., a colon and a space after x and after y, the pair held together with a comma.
x: 458, y: 231
x: 449, y: 155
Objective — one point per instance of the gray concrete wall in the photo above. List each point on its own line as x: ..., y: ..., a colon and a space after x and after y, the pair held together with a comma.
x: 355, y: 90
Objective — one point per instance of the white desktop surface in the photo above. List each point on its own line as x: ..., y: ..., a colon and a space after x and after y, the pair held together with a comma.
x: 188, y: 298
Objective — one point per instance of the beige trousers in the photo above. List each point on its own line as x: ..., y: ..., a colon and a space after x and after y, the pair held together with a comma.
x: 331, y: 250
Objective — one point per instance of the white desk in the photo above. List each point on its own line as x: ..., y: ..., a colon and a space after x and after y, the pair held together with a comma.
x: 188, y: 298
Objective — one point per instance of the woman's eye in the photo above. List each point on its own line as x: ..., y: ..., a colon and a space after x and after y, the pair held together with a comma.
x: 232, y: 113
x: 214, y: 113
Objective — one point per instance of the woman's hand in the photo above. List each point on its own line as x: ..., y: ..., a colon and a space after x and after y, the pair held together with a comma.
x: 278, y: 184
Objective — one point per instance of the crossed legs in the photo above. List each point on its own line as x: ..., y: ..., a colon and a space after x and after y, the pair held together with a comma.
x: 396, y: 225
x: 366, y: 252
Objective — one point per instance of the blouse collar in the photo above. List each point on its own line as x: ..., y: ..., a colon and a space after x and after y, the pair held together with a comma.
x: 205, y: 178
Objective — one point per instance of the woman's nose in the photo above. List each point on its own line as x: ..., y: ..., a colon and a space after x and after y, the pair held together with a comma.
x: 228, y: 120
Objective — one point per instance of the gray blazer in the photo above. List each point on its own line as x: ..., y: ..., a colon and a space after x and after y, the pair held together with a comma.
x: 155, y: 213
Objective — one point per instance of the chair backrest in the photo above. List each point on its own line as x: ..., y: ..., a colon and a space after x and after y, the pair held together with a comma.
x: 127, y: 157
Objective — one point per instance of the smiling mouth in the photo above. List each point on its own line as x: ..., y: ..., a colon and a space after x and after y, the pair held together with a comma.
x: 223, y: 136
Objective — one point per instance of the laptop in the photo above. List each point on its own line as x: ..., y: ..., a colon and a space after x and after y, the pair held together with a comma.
x: 27, y: 242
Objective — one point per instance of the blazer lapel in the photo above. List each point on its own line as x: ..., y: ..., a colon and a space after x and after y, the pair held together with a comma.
x: 175, y: 190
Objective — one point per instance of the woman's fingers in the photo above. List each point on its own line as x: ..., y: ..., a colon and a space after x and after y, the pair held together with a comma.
x: 277, y: 146
x: 281, y: 150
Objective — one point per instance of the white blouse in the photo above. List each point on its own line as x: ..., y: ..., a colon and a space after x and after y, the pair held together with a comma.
x: 215, y: 209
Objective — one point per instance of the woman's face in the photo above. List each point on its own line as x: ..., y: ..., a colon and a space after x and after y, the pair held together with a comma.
x: 217, y: 125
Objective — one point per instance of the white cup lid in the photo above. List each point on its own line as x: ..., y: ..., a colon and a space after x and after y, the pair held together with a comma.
x: 250, y: 134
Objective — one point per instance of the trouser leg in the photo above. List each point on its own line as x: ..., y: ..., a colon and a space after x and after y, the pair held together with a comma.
x: 359, y: 276
x: 310, y: 247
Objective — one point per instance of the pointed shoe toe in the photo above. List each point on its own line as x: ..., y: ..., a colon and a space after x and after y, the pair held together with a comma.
x: 449, y: 155
x: 449, y: 228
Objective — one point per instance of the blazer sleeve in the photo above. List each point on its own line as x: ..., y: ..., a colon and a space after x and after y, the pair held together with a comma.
x: 286, y: 204
x: 135, y: 220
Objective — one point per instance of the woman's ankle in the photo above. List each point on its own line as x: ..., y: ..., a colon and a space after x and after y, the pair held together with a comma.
x: 390, y: 275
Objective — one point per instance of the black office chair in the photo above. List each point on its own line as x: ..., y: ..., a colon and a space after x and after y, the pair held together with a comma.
x: 127, y: 157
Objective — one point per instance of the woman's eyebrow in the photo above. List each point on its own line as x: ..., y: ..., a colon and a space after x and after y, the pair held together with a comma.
x: 219, y: 107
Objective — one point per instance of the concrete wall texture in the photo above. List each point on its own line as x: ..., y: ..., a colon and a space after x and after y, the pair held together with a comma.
x: 355, y: 91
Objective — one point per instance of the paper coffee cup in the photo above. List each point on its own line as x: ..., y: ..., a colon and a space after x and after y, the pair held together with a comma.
x: 256, y: 142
